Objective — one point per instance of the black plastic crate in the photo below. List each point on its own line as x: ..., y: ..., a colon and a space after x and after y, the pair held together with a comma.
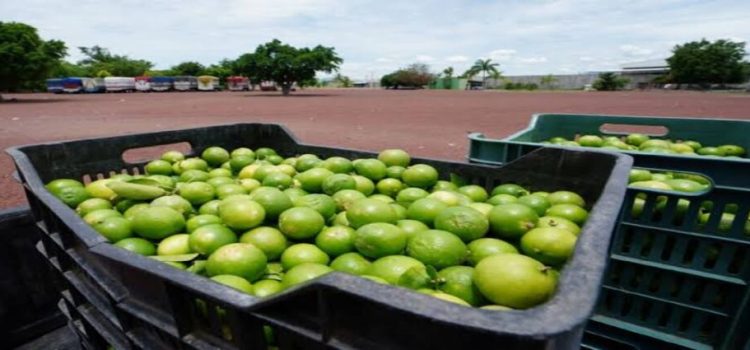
x: 336, y: 310
x: 28, y: 296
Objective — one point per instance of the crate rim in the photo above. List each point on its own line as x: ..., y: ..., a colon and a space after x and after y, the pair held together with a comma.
x: 562, y: 307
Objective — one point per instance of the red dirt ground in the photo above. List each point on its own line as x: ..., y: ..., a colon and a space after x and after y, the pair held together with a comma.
x: 425, y: 123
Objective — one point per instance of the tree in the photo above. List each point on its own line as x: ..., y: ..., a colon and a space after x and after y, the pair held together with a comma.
x: 486, y: 67
x: 25, y: 59
x: 100, y: 59
x: 416, y: 75
x: 342, y: 80
x: 448, y: 72
x: 609, y: 82
x: 222, y: 70
x: 188, y: 68
x: 703, y: 62
x: 548, y: 81
x: 286, y: 65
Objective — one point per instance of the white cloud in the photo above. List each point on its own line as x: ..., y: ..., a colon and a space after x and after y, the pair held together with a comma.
x: 540, y: 59
x: 377, y: 37
x: 424, y: 58
x: 457, y: 59
x: 634, y: 50
x: 502, y: 54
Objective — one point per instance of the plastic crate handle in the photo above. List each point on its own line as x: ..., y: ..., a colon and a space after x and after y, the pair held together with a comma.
x: 633, y: 128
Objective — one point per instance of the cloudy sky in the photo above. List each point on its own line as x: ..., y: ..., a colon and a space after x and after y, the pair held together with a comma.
x: 375, y: 37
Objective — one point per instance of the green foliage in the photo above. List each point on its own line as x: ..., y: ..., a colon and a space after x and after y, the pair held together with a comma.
x: 548, y: 81
x: 520, y: 86
x: 100, y: 59
x: 610, y: 82
x: 286, y: 65
x: 67, y: 69
x: 448, y: 72
x: 703, y: 62
x: 416, y: 75
x: 342, y: 80
x: 25, y: 59
x: 486, y: 67
x: 188, y: 68
x: 222, y: 70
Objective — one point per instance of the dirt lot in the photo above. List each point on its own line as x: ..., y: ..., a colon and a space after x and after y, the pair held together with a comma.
x: 425, y: 123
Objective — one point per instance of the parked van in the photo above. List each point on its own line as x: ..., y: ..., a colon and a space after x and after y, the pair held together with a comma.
x: 93, y: 85
x: 161, y: 83
x: 54, y: 85
x: 143, y: 84
x: 185, y: 83
x: 208, y: 83
x: 236, y: 83
x: 72, y: 85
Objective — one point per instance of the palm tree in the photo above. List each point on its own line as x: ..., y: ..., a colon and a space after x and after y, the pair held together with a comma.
x: 485, y: 67
x: 448, y: 72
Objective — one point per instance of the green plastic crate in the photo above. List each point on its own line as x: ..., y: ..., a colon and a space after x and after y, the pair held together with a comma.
x: 670, y: 279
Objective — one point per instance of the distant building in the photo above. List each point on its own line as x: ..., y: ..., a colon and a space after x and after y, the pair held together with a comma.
x: 642, y: 74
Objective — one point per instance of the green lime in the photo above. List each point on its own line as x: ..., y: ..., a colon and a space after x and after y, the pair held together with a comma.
x: 219, y: 172
x: 420, y: 175
x: 483, y: 208
x: 425, y: 210
x: 496, y: 307
x: 450, y: 298
x: 353, y: 263
x: 179, y: 204
x: 238, y: 259
x: 72, y: 196
x: 137, y: 245
x: 538, y: 203
x: 372, y: 169
x: 201, y: 220
x: 237, y: 163
x: 268, y: 239
x: 265, y: 288
x: 458, y: 281
x: 374, y: 279
x: 303, y: 273
x: 215, y: 156
x: 241, y: 214
x: 322, y: 203
x: 484, y: 247
x: 218, y: 181
x: 389, y: 187
x: 511, y: 189
x: 92, y: 204
x: 390, y: 268
x: 364, y: 185
x: 312, y: 180
x: 114, y: 228
x: 336, y: 240
x: 193, y: 164
x: 301, y: 222
x: 130, y: 212
x: 466, y: 223
x: 410, y: 227
x: 450, y: 198
x: 235, y: 282
x: 399, y: 210
x: 381, y: 197
x: 568, y: 211
x: 294, y: 193
x: 157, y: 222
x: 502, y: 198
x: 226, y: 190
x: 206, y: 239
x: 338, y: 182
x: 303, y: 253
x: 514, y: 280
x: 566, y: 197
x: 550, y: 245
x: 55, y: 186
x: 345, y: 198
x: 475, y: 192
x: 437, y: 248
x: 210, y: 207
x: 338, y: 165
x: 173, y: 156
x: 278, y: 180
x: 197, y: 193
x: 394, y: 157
x: 242, y: 151
x: 265, y: 152
x: 562, y: 223
x: 512, y: 220
x: 366, y: 211
x: 174, y: 245
x: 97, y: 216
x: 379, y: 239
x: 305, y: 164
x: 410, y: 195
x: 263, y: 171
x: 443, y: 185
x: 193, y: 175
x: 158, y: 167
x: 273, y: 201
x: 394, y: 172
